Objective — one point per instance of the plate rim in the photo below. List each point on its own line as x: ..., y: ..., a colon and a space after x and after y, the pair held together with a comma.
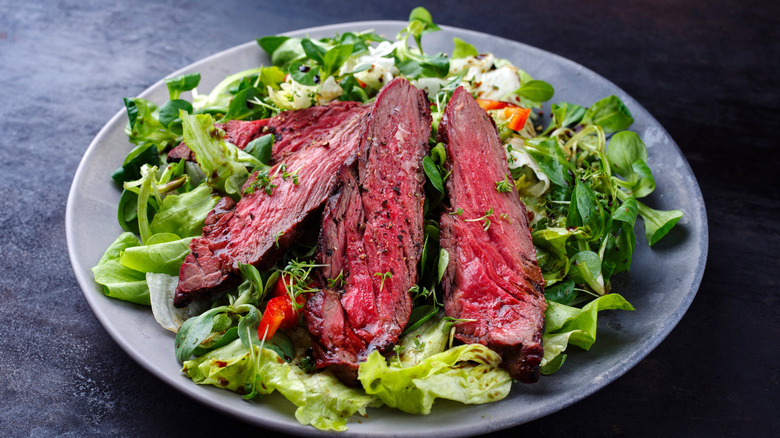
x: 86, y: 282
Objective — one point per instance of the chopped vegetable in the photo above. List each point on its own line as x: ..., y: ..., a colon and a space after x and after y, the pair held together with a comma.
x: 488, y: 104
x: 280, y: 313
x: 517, y: 117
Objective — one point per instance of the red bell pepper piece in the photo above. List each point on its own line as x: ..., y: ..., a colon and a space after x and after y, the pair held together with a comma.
x: 284, y: 282
x: 488, y: 104
x: 280, y: 312
x: 517, y: 116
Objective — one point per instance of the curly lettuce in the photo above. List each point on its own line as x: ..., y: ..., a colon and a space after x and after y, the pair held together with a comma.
x: 322, y: 400
x: 423, y: 372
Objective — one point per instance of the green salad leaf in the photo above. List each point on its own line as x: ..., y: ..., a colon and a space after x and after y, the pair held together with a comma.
x: 142, y: 154
x: 261, y: 148
x: 463, y: 49
x: 183, y: 214
x: 118, y: 281
x: 179, y: 84
x: 424, y: 371
x: 322, y: 400
x: 564, y: 114
x: 657, y: 222
x: 282, y: 50
x: 566, y: 325
x: 202, y: 330
x: 144, y: 125
x: 536, y: 91
x: 218, y: 161
x: 161, y: 258
x: 610, y: 113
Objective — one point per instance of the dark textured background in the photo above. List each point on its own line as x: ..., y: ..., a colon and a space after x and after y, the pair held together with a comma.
x: 707, y: 70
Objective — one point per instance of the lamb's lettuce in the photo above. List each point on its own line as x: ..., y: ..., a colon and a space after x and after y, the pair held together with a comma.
x: 610, y: 113
x: 566, y: 325
x: 657, y: 222
x: 117, y: 280
x: 536, y: 91
x: 627, y: 157
x: 462, y: 49
x: 145, y: 153
x: 179, y: 84
x: 414, y: 63
x: 161, y: 258
x: 282, y: 50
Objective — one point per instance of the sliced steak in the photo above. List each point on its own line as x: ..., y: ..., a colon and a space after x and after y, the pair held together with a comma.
x: 241, y: 132
x: 180, y: 152
x: 292, y: 130
x: 270, y: 215
x: 372, y: 236
x: 208, y: 261
x: 492, y: 277
x: 343, y: 215
x: 336, y: 343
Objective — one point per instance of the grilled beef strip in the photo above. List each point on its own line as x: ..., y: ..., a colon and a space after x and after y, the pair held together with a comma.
x: 492, y: 278
x: 262, y: 226
x: 371, y: 236
x: 292, y: 130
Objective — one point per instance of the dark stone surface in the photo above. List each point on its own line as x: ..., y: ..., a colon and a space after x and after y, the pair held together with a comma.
x: 706, y: 70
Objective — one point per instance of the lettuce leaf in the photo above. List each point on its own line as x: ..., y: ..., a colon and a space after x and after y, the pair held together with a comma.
x: 161, y: 258
x: 322, y: 400
x: 220, y: 97
x: 162, y: 288
x: 218, y: 161
x: 566, y: 325
x: 117, y: 280
x: 144, y: 126
x: 185, y: 213
x: 448, y: 375
x: 467, y: 373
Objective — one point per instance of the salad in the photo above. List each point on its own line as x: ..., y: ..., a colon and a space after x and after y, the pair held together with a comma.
x: 580, y: 177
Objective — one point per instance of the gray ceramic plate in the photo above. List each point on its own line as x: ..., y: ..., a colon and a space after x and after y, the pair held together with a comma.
x: 661, y: 285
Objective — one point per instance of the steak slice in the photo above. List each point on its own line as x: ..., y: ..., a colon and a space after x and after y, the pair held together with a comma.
x: 336, y: 343
x: 211, y: 251
x: 492, y: 277
x: 241, y: 132
x: 270, y: 215
x: 371, y: 236
x: 180, y: 152
x: 293, y: 130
